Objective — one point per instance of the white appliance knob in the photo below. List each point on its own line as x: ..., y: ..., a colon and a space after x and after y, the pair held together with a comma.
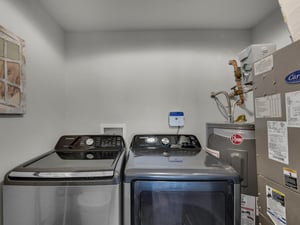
x: 165, y: 141
x: 89, y: 141
x: 90, y: 156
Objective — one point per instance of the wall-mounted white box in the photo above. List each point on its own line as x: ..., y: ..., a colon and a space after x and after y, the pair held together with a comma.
x: 114, y: 129
x: 176, y: 119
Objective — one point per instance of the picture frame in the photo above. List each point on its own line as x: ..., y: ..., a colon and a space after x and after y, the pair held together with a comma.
x: 12, y: 77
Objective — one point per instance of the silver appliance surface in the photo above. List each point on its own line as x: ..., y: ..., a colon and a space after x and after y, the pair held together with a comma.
x: 53, y: 161
x: 79, y: 182
x: 276, y: 101
x: 84, y: 156
x: 180, y: 157
x: 234, y: 143
x: 52, y: 165
x: 184, y: 167
x: 174, y: 182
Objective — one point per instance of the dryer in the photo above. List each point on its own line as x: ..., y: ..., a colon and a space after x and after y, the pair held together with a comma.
x: 169, y: 180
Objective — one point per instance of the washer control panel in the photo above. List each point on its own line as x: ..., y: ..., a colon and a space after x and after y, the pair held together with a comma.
x: 90, y: 142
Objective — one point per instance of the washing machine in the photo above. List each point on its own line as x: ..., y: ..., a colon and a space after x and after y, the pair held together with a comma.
x: 76, y: 183
x: 170, y: 180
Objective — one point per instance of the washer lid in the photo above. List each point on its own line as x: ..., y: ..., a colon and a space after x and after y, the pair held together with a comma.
x: 53, y: 166
x: 49, y: 175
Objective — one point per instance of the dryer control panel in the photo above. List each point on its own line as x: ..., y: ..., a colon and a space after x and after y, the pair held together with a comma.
x: 165, y: 144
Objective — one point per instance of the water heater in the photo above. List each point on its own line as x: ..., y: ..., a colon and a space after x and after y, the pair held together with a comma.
x: 234, y: 143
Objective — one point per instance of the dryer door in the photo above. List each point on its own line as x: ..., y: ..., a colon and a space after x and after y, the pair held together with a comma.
x: 187, y: 203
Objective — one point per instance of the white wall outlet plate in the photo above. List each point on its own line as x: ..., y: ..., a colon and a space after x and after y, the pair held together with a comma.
x: 176, y: 119
x: 113, y: 129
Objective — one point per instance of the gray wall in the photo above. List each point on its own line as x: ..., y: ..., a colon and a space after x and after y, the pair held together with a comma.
x: 137, y: 78
x: 272, y: 30
x: 23, y: 137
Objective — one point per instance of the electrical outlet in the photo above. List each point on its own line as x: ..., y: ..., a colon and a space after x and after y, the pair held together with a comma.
x: 176, y: 119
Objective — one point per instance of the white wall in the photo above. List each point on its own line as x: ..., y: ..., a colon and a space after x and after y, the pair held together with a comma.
x: 24, y: 137
x: 272, y: 30
x: 137, y: 78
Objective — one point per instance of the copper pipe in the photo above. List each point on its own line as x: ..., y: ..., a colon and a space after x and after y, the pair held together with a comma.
x: 238, y: 90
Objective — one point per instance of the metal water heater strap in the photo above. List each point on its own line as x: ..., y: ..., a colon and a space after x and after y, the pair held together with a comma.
x: 227, y: 133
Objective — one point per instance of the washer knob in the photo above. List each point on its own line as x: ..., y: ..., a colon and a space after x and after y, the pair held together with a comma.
x: 89, y: 156
x: 165, y: 141
x: 89, y: 141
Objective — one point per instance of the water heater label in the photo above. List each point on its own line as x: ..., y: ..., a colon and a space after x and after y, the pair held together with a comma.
x: 248, y: 214
x: 236, y: 139
x: 213, y: 152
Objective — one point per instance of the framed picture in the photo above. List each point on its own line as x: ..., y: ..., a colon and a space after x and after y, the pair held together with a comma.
x: 12, y: 78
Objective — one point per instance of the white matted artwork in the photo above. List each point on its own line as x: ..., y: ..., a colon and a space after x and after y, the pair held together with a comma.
x: 12, y: 78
